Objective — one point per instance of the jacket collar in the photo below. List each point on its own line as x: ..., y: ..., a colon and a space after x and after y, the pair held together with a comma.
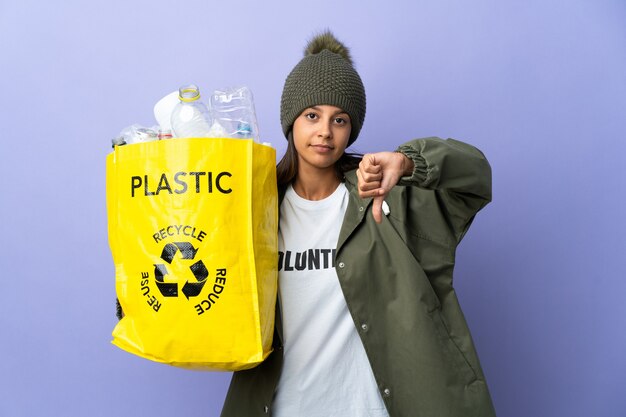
x: 356, y: 211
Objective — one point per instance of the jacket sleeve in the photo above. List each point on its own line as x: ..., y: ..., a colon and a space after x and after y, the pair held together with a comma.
x: 459, y: 173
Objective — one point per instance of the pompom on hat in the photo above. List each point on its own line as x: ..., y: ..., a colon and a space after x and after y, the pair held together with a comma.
x: 325, y: 75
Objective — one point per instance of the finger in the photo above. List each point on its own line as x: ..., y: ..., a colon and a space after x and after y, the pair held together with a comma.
x: 373, y: 169
x: 370, y: 177
x: 370, y: 188
x: 365, y: 183
x: 372, y: 193
x: 370, y: 164
x: 377, y: 209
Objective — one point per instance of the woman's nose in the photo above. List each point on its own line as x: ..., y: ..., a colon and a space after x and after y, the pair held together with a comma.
x: 324, y: 131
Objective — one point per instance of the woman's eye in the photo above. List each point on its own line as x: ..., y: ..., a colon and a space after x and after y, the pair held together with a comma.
x: 340, y: 120
x: 311, y: 116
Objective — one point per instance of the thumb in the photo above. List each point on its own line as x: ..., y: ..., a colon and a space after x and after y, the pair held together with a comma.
x: 377, y: 209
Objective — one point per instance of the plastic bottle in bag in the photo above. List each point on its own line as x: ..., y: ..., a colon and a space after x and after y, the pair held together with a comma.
x: 190, y: 118
x: 135, y: 134
x: 165, y: 134
x: 233, y: 113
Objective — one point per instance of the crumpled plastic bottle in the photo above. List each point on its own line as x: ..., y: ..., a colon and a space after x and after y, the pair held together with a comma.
x: 233, y: 114
x: 135, y: 134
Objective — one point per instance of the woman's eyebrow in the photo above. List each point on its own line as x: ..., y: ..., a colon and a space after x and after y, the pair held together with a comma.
x: 317, y: 108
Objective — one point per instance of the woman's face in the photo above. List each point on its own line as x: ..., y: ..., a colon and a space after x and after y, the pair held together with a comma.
x: 320, y: 135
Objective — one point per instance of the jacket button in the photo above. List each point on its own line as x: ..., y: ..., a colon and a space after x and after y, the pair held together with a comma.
x: 361, y: 208
x: 341, y: 264
x: 386, y: 392
x: 365, y: 327
x: 266, y: 409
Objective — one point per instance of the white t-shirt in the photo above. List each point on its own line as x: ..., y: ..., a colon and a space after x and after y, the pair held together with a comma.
x: 326, y: 372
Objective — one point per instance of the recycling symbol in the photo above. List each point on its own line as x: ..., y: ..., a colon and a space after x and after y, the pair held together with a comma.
x: 191, y: 288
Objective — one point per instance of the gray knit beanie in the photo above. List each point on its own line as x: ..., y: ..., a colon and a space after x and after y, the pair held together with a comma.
x: 324, y: 76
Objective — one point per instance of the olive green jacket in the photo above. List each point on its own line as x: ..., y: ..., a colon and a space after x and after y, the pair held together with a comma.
x: 397, y: 281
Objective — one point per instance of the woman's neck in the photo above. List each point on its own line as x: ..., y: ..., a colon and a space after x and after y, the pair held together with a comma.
x: 316, y: 185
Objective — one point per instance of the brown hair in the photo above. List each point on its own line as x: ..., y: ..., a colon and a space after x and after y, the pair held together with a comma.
x: 287, y: 168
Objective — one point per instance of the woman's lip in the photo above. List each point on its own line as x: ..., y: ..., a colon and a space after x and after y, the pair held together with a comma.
x: 322, y: 148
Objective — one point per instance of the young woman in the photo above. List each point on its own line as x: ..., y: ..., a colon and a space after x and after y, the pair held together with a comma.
x: 367, y: 321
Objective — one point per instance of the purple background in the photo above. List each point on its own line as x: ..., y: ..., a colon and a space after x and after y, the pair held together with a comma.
x: 539, y: 86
